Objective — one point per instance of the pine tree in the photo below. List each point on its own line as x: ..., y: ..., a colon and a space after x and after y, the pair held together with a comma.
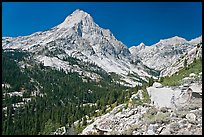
x: 84, y: 122
x: 49, y: 127
x: 194, y: 60
x: 151, y: 81
x: 161, y: 79
x: 185, y: 63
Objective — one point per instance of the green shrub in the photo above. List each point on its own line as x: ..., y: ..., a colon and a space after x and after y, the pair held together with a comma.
x: 49, y: 127
x: 176, y: 79
x: 152, y: 118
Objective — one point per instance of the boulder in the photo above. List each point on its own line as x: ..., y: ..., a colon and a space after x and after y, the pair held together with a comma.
x: 157, y: 85
x: 189, y: 126
x: 183, y: 123
x: 200, y: 73
x: 150, y: 132
x: 186, y: 85
x: 200, y: 109
x: 187, y: 80
x: 191, y: 117
x: 192, y: 75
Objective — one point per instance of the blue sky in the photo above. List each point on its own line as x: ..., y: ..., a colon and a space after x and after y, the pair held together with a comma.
x: 130, y: 22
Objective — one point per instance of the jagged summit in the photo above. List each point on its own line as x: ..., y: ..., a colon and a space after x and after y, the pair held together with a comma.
x: 172, y: 40
x: 79, y: 11
x: 81, y: 37
x: 76, y: 17
x: 177, y: 38
x: 142, y: 45
x: 135, y: 49
x: 162, y: 54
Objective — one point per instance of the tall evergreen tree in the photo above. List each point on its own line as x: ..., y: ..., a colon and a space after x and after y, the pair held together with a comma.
x: 185, y: 63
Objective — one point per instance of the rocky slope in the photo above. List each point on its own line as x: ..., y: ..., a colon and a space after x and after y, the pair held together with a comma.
x: 79, y: 36
x: 193, y: 54
x: 171, y: 110
x: 79, y: 45
x: 162, y: 116
x: 147, y: 120
x: 164, y: 53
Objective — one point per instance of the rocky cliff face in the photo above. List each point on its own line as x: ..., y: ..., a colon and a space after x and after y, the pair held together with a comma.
x: 79, y: 36
x: 164, y: 53
x: 192, y: 54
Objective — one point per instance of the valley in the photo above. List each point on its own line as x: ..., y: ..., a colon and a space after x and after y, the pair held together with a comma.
x: 77, y: 78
